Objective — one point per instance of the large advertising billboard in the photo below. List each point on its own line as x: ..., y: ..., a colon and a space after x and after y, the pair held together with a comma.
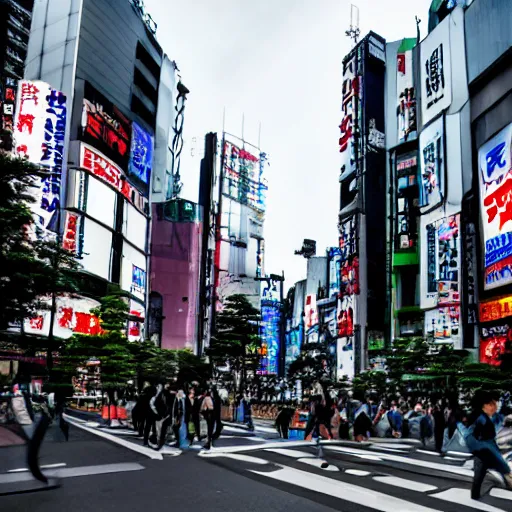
x: 141, y: 157
x: 436, y: 80
x: 106, y: 170
x: 243, y: 176
x: 349, y: 108
x: 39, y: 136
x: 270, y: 335
x: 105, y: 127
x: 431, y: 178
x: 495, y: 179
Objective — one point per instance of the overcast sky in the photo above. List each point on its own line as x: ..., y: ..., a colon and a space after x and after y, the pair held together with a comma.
x: 278, y: 62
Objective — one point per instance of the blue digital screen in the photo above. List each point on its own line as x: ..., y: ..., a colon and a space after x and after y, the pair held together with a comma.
x: 141, y: 158
x: 271, y: 324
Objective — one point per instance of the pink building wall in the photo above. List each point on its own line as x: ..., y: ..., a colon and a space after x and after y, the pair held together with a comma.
x: 175, y: 262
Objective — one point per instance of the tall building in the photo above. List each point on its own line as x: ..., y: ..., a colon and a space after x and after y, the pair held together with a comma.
x: 240, y: 245
x: 103, y: 97
x: 361, y: 222
x: 427, y: 136
x: 487, y: 201
x: 175, y: 269
x: 15, y: 21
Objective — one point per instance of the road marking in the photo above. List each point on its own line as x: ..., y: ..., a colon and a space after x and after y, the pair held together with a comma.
x: 318, y: 464
x: 463, y: 497
x: 465, y: 455
x: 405, y: 460
x: 74, y: 472
x: 501, y: 493
x: 235, y: 456
x: 47, y: 466
x: 426, y: 452
x: 148, y: 452
x: 256, y: 447
x: 405, y: 484
x: 357, y: 472
x: 394, y: 446
x: 296, y: 454
x: 344, y: 491
x: 386, y: 449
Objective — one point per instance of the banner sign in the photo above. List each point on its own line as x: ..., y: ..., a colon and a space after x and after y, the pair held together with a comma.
x: 334, y: 271
x: 39, y: 136
x: 350, y: 94
x: 431, y: 259
x: 406, y: 93
x: 436, y: 81
x: 69, y: 239
x: 431, y: 176
x: 448, y: 260
x: 141, y: 156
x: 495, y: 178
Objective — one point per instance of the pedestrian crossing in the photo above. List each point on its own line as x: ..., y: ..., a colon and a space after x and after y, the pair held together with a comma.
x: 343, y: 480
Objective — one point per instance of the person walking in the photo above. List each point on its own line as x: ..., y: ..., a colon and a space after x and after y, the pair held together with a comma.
x: 179, y: 412
x: 166, y: 406
x: 217, y: 412
x: 207, y: 410
x: 481, y: 440
x: 192, y: 416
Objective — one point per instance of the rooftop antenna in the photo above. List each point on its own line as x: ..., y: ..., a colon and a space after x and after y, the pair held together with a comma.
x: 353, y: 32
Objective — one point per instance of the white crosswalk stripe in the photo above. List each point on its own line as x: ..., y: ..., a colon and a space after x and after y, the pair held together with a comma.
x: 346, y: 480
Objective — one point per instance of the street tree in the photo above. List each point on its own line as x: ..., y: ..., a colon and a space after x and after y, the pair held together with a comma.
x: 236, y: 342
x: 32, y: 270
x: 109, y: 346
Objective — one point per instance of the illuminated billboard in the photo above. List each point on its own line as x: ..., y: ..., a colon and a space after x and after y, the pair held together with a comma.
x: 243, y: 176
x: 270, y: 336
x: 105, y: 127
x: 39, y: 136
x: 495, y: 179
x: 97, y: 164
x: 141, y: 157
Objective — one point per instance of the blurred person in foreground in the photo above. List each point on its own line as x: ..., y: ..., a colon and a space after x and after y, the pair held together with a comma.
x: 481, y: 441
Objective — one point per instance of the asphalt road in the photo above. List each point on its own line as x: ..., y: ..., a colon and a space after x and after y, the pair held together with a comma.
x: 245, y: 475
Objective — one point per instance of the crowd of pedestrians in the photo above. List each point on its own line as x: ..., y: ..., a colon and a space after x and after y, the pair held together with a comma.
x: 443, y: 425
x: 165, y: 409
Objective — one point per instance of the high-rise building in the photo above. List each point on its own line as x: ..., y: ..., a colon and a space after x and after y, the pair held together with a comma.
x: 361, y: 221
x: 106, y: 101
x: 487, y: 206
x: 240, y: 245
x: 15, y: 20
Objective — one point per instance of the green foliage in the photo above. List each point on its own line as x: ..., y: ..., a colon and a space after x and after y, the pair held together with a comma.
x: 236, y: 341
x: 180, y: 366
x: 29, y: 269
x: 111, y: 347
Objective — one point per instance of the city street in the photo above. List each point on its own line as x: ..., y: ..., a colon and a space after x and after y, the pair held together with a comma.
x: 246, y: 471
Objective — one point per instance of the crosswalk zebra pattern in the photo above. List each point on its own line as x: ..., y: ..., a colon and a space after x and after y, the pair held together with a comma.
x: 364, y: 479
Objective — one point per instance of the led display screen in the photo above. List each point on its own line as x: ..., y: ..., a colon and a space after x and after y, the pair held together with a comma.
x: 105, y: 127
x: 141, y: 157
